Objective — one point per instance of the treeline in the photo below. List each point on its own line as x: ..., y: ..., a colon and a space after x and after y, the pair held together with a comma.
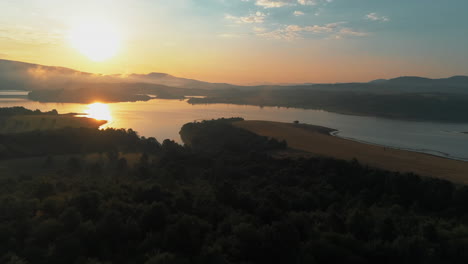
x: 19, y: 110
x: 183, y: 204
x: 102, y: 93
x: 414, y: 106
x: 74, y: 141
x: 215, y: 136
x: 112, y: 92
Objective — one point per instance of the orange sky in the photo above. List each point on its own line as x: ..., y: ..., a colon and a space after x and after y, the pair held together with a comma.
x: 238, y: 42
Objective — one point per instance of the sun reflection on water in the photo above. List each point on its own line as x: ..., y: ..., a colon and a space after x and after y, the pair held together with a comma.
x: 99, y: 111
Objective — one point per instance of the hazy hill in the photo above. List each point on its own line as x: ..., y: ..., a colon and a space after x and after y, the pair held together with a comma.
x: 27, y: 76
x: 461, y: 81
x: 169, y: 80
x: 16, y: 75
x: 413, y: 98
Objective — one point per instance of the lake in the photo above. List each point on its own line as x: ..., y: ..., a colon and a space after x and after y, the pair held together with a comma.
x: 163, y: 119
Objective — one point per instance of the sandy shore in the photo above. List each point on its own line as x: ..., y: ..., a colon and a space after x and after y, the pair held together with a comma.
x: 318, y: 141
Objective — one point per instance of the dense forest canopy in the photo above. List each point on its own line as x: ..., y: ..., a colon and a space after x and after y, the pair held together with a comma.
x: 110, y: 196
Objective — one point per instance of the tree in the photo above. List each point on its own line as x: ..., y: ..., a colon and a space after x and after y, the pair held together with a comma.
x: 71, y: 218
x: 16, y: 260
x: 167, y: 258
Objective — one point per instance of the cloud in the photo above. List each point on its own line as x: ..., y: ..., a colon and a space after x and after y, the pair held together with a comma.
x: 307, y: 2
x: 258, y: 17
x: 30, y: 35
x: 351, y: 32
x: 259, y: 29
x: 281, y: 3
x: 294, y: 32
x: 328, y: 28
x: 298, y: 13
x: 376, y: 17
x: 281, y: 34
x: 273, y: 3
x: 313, y: 2
x: 229, y: 35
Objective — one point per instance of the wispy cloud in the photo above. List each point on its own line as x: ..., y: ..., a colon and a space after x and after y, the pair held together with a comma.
x: 229, y: 35
x: 313, y: 2
x: 274, y: 3
x: 30, y: 35
x: 281, y: 3
x: 315, y: 28
x: 352, y: 32
x: 376, y: 17
x: 293, y: 32
x: 257, y: 17
x: 298, y: 13
x: 259, y: 29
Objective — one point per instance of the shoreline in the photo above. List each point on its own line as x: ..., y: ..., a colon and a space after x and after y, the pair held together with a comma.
x: 187, y: 100
x: 421, y: 151
x: 310, y: 141
x: 350, y: 113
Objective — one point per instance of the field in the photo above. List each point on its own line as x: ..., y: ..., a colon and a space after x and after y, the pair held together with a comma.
x: 316, y: 141
x: 25, y: 123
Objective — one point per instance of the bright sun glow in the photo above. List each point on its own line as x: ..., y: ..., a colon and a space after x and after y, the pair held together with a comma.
x: 98, y: 41
x: 99, y: 111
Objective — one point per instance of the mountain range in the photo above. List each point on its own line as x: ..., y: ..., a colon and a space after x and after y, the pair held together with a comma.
x: 15, y: 75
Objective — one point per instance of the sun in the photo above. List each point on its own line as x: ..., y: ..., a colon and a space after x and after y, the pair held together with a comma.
x: 96, y: 40
x: 99, y: 111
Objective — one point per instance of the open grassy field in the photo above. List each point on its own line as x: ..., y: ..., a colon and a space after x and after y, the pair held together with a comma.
x: 25, y: 123
x: 317, y: 141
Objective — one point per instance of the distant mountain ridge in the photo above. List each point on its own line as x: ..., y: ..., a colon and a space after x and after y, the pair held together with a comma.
x: 29, y: 76
x: 414, y: 80
x: 15, y: 75
x: 169, y: 80
x: 407, y: 97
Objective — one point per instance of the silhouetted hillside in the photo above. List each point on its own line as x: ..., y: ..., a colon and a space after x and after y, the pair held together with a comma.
x: 409, y: 106
x: 26, y: 76
x: 114, y: 92
x: 169, y: 80
x: 460, y: 81
x: 16, y: 75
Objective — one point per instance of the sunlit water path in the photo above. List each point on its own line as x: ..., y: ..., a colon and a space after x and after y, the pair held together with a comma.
x: 163, y: 119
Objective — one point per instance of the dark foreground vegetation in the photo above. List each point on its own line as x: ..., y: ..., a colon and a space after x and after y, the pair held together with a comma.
x: 214, y: 202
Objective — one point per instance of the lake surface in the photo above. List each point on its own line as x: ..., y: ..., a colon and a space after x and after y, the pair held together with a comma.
x: 163, y: 119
